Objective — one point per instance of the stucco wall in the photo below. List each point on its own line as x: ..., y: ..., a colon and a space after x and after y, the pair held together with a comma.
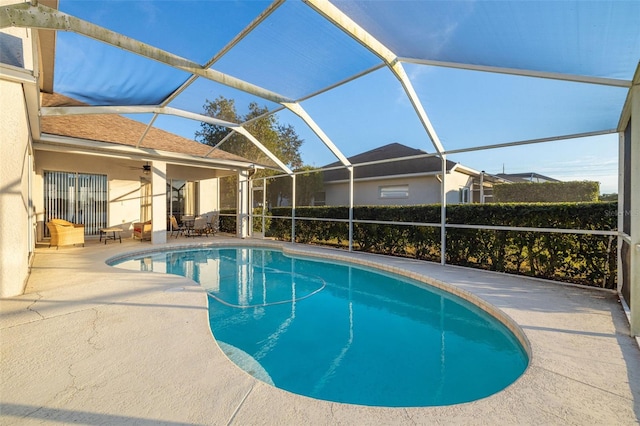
x: 422, y: 190
x: 123, y: 183
x: 456, y: 180
x: 14, y: 190
x: 209, y: 196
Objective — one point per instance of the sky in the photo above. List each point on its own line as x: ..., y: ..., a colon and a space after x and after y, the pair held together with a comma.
x: 296, y: 53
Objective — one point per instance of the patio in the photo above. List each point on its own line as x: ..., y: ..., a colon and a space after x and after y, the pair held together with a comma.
x: 92, y: 344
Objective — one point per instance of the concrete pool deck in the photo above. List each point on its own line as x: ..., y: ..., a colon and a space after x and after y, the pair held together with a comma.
x: 92, y: 344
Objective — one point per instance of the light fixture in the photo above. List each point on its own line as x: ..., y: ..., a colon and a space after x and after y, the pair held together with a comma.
x: 252, y: 170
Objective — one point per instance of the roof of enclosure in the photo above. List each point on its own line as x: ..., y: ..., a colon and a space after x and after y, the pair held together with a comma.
x: 566, y: 64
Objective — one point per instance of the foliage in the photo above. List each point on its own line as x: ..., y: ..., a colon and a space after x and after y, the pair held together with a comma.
x: 228, y: 192
x: 577, y: 258
x: 257, y: 219
x: 278, y: 189
x: 281, y: 139
x: 308, y: 184
x: 547, y: 192
x: 227, y: 221
x: 608, y: 197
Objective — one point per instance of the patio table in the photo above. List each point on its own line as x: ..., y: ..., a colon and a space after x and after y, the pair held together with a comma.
x: 115, y: 234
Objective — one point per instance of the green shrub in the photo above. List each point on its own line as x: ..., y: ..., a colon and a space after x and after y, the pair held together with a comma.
x: 577, y: 258
x: 228, y: 223
x: 547, y: 192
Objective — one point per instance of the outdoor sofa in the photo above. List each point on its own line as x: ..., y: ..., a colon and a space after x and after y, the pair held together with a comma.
x: 64, y: 233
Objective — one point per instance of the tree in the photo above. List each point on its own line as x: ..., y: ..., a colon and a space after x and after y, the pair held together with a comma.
x: 281, y: 139
x: 308, y: 185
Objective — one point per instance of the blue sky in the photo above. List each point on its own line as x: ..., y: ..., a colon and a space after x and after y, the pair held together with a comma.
x: 467, y: 108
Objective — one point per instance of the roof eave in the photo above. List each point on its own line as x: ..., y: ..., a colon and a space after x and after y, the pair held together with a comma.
x: 56, y: 143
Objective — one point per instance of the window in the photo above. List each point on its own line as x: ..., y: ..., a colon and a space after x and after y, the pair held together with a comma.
x: 394, y: 191
x: 183, y: 198
x: 145, y: 200
x: 76, y: 197
x: 464, y: 195
x: 319, y: 199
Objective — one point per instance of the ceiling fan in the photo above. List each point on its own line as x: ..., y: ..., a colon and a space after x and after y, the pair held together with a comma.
x: 146, y: 168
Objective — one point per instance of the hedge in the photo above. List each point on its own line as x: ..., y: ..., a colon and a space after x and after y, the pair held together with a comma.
x: 576, y: 258
x: 550, y: 192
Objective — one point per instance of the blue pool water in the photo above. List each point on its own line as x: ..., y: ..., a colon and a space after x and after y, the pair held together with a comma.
x: 344, y: 333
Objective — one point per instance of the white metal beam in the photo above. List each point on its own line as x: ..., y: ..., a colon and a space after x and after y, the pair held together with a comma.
x: 398, y: 70
x: 237, y: 39
x: 213, y: 60
x: 351, y: 28
x: 26, y: 15
x: 521, y: 72
x: 146, y: 130
x: 145, y: 109
x: 244, y: 132
x: 300, y: 112
x: 219, y: 143
x: 133, y: 109
x: 532, y: 141
x: 40, y: 16
x: 634, y: 214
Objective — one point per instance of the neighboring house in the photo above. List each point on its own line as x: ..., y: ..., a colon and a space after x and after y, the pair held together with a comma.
x: 411, y: 177
x: 525, y: 177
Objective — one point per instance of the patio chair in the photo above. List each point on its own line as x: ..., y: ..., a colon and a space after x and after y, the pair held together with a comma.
x: 142, y: 230
x: 175, y: 228
x: 65, y: 233
x: 213, y: 224
x: 200, y: 226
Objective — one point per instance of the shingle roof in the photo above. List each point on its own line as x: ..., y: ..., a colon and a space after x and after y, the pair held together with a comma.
x: 526, y: 177
x: 394, y: 168
x: 113, y: 128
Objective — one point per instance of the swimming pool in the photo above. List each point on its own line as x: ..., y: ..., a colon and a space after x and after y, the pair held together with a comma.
x: 345, y: 333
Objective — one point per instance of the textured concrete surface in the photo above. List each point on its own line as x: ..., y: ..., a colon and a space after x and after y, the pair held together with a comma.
x: 91, y: 344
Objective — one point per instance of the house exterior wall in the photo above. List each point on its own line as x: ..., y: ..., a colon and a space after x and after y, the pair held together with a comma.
x: 456, y: 181
x: 123, y: 185
x: 16, y: 242
x: 15, y: 171
x: 422, y: 190
x: 209, y: 201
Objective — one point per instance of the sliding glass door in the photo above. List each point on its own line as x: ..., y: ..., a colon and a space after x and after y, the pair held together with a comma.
x: 78, y: 198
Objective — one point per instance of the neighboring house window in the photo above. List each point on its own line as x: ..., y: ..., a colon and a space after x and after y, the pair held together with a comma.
x: 319, y: 199
x: 464, y: 195
x: 394, y: 191
x: 76, y: 197
x: 145, y: 201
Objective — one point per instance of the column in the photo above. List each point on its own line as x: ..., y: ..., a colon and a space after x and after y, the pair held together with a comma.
x: 159, y: 202
x: 242, y: 215
x: 634, y: 216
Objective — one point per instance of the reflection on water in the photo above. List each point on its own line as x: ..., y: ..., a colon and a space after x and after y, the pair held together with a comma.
x: 343, y: 333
